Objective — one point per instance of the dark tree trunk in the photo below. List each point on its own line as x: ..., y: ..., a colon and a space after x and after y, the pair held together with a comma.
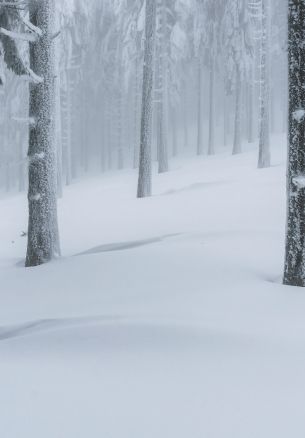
x: 294, y: 273
x: 43, y: 241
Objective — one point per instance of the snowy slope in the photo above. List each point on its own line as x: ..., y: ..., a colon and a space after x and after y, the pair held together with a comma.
x: 164, y: 318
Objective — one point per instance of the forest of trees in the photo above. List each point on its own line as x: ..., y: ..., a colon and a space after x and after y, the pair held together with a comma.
x: 103, y: 85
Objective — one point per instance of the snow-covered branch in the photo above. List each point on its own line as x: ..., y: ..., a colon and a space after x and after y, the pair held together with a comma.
x: 23, y: 36
x: 34, y: 29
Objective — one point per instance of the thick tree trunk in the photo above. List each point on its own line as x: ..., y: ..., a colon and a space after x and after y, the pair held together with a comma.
x: 43, y: 240
x: 144, y: 182
x: 264, y: 136
x: 294, y: 272
x: 237, y: 125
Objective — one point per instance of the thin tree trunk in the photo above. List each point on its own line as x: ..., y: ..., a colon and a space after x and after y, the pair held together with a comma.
x: 144, y: 182
x: 120, y: 117
x: 237, y: 125
x: 67, y: 133
x: 294, y: 272
x: 103, y: 141
x: 225, y: 117
x: 174, y: 130
x: 43, y: 239
x: 185, y: 118
x: 200, y: 111
x: 251, y: 107
x: 211, y: 147
x: 136, y: 111
x: 264, y: 136
x: 21, y: 166
x: 58, y: 127
x: 162, y: 91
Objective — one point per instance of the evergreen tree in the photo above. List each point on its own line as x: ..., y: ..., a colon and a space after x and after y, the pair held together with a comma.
x: 238, y: 48
x: 9, y: 23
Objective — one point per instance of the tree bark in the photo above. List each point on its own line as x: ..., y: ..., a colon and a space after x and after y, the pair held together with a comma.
x: 200, y: 111
x: 294, y: 271
x: 211, y: 147
x: 144, y: 182
x: 264, y: 137
x: 174, y: 130
x: 43, y: 239
x: 162, y: 90
x: 237, y: 126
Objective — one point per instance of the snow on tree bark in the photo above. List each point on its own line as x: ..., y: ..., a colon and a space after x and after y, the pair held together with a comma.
x: 144, y: 182
x: 43, y: 239
x: 264, y: 137
x: 294, y: 271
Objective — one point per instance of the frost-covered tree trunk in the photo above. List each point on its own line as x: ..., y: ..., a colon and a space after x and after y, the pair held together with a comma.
x: 264, y: 135
x: 43, y: 239
x: 162, y: 88
x: 144, y: 182
x: 294, y: 272
x: 211, y: 146
x: 237, y: 123
x: 200, y: 110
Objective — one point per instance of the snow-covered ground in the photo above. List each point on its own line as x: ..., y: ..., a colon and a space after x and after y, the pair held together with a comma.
x: 165, y: 318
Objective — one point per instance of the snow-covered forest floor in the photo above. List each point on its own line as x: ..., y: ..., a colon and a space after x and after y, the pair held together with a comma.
x: 165, y: 318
